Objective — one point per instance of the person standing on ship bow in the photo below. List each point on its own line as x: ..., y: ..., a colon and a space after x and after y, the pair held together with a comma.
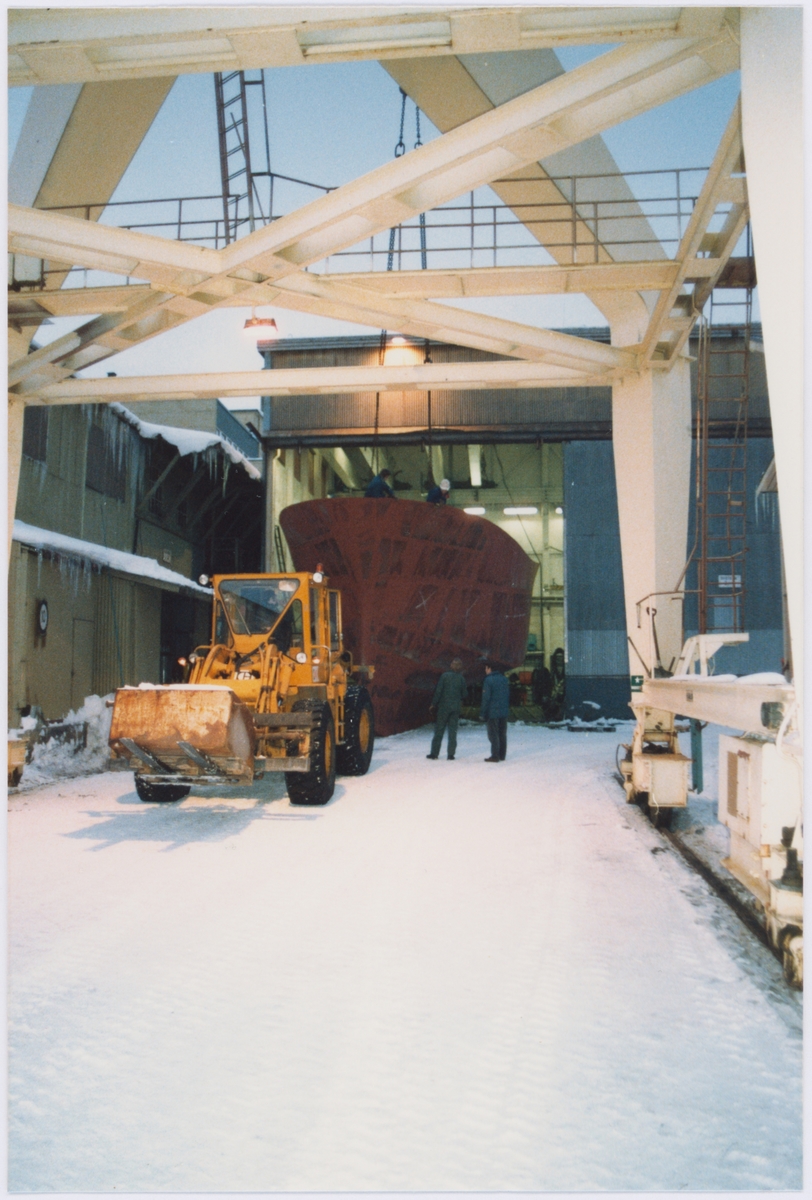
x: 447, y: 702
x: 379, y: 487
x: 439, y: 494
x: 494, y: 710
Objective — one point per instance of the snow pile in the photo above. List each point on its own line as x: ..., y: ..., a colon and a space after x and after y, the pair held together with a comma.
x: 101, y: 556
x: 696, y: 678
x: 186, y: 441
x: 26, y: 725
x: 61, y: 760
x: 769, y: 677
x: 601, y: 724
x: 172, y: 687
x: 761, y: 677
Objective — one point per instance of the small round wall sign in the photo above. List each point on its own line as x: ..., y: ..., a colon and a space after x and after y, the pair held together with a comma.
x: 42, y: 615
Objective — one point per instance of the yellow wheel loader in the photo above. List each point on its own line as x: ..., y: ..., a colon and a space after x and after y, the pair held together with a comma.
x: 272, y: 692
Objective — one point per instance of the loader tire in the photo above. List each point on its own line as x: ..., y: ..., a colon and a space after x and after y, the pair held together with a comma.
x: 160, y: 793
x: 354, y: 757
x: 317, y: 785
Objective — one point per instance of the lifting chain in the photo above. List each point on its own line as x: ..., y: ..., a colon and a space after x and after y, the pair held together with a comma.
x: 400, y: 150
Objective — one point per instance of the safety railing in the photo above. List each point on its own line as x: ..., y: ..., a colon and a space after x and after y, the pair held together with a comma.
x: 567, y: 219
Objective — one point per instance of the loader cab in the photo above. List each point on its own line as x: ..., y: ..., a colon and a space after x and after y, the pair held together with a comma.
x: 251, y: 609
x: 296, y: 612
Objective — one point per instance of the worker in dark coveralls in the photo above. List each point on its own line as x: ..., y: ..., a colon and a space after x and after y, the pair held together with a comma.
x: 494, y: 710
x: 439, y: 494
x: 447, y: 701
x: 379, y: 487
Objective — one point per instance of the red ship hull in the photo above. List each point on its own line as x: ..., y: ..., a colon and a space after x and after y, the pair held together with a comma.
x: 420, y: 585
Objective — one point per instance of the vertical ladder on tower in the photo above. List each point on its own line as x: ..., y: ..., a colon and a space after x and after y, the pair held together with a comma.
x: 723, y: 373
x: 279, y: 547
x: 243, y: 204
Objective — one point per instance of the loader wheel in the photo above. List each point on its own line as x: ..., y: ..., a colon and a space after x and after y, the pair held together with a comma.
x: 353, y: 758
x: 315, y: 786
x: 160, y: 793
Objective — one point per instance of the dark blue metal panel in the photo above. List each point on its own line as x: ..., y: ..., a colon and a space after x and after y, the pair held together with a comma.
x: 594, y: 571
x: 597, y: 669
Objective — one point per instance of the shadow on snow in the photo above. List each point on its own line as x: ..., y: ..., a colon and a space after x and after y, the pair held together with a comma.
x: 207, y: 814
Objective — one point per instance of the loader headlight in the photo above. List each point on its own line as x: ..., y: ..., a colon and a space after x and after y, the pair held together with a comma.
x: 204, y: 580
x: 318, y: 576
x: 301, y: 657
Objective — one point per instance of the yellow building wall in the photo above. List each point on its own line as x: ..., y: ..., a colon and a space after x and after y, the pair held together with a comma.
x: 103, y: 631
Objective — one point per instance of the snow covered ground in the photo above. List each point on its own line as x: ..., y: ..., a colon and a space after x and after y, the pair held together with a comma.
x: 456, y: 976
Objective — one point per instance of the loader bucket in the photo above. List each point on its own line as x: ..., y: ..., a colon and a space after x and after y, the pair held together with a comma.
x: 193, y: 731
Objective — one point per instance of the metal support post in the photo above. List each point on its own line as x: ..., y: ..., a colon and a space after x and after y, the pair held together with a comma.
x: 697, y: 779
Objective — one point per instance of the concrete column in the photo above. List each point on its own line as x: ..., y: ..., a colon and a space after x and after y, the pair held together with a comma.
x: 16, y: 412
x: 651, y: 433
x: 772, y: 132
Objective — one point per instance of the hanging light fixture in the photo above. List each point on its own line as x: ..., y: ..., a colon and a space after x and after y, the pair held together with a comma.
x: 261, y: 329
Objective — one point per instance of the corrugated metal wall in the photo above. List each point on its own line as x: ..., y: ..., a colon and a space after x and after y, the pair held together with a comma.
x: 536, y: 409
x: 113, y: 642
x: 597, y: 655
x: 561, y: 413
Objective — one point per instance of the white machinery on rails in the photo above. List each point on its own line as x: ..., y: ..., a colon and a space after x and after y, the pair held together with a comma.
x: 760, y: 776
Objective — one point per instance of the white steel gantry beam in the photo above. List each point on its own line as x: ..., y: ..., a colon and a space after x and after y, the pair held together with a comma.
x: 434, y: 283
x: 451, y: 91
x: 564, y: 111
x: 304, y: 381
x: 75, y: 144
x: 676, y: 311
x: 84, y: 45
x: 772, y: 114
x: 547, y: 280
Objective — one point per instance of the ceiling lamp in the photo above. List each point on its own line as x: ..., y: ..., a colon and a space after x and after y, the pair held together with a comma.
x: 526, y: 511
x: 261, y: 329
x: 476, y: 511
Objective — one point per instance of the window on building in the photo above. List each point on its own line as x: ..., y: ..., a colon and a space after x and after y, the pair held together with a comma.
x: 311, y: 472
x: 106, y: 470
x: 35, y: 432
x: 297, y: 464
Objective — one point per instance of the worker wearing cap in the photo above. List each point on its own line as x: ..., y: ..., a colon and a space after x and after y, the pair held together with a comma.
x: 447, y: 702
x: 495, y: 709
x: 439, y: 494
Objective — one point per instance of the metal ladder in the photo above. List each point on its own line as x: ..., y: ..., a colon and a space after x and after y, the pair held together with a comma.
x: 242, y: 202
x: 279, y: 547
x: 723, y: 373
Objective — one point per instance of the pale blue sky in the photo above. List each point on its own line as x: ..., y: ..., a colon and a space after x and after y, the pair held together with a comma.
x: 330, y: 124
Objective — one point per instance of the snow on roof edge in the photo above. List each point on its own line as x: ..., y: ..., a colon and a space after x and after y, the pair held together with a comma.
x: 117, y: 560
x: 186, y: 441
